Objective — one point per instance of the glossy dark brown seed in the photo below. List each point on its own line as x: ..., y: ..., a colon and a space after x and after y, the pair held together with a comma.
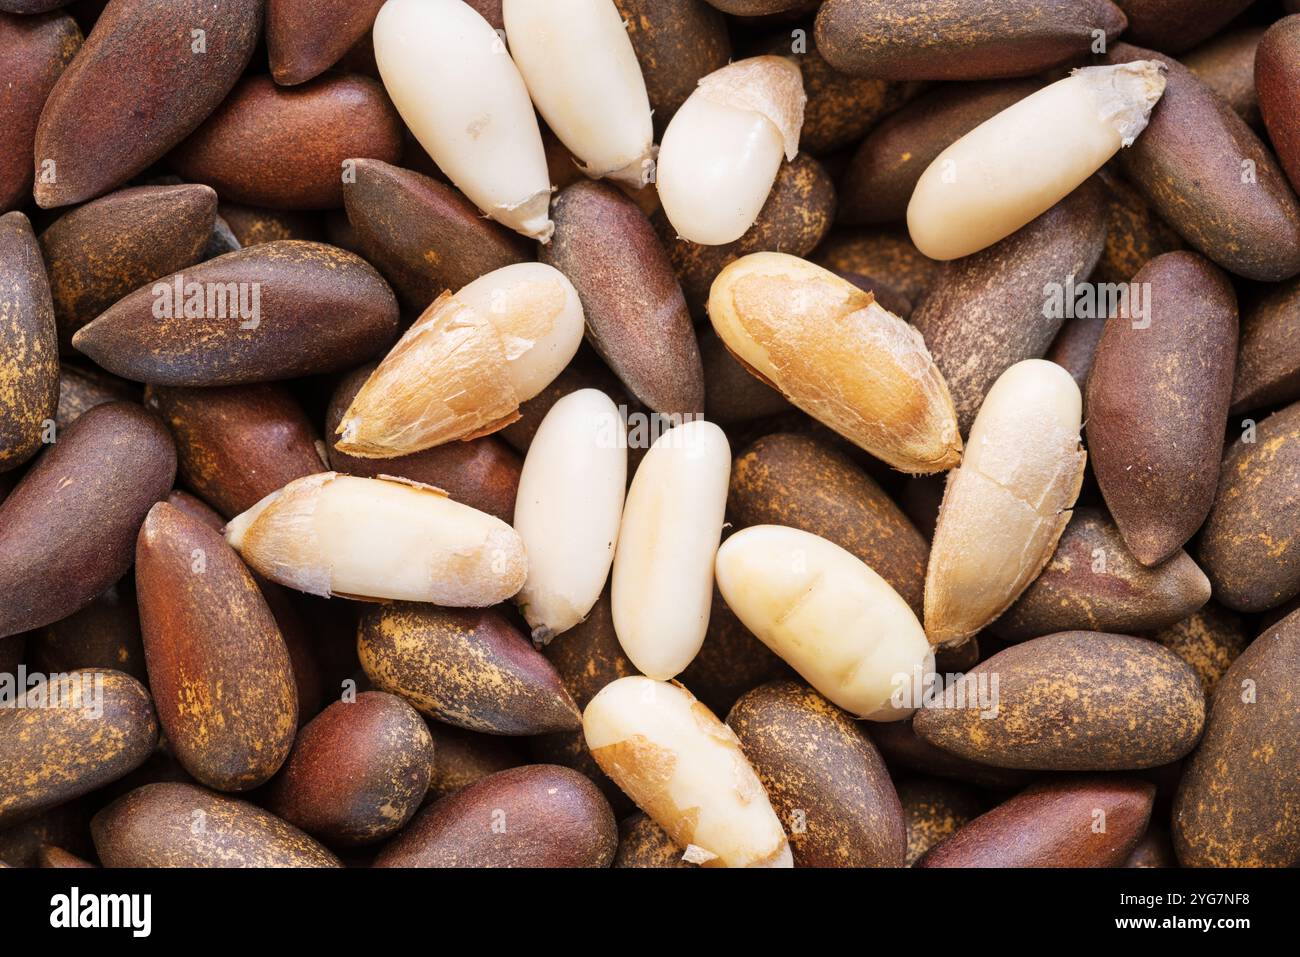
x: 29, y: 352
x: 219, y: 670
x: 824, y: 777
x: 237, y: 445
x: 1071, y: 822
x: 1074, y: 701
x: 67, y: 737
x: 880, y: 178
x: 960, y: 39
x: 1245, y: 218
x: 985, y: 312
x: 636, y: 315
x: 423, y: 235
x: 100, y: 252
x: 535, y: 816
x: 467, y: 667
x: 287, y: 147
x: 1158, y: 398
x: 34, y: 50
x: 1236, y: 801
x: 1093, y: 583
x: 482, y: 473
x: 1248, y: 545
x: 74, y: 516
x: 358, y: 771
x: 138, y: 86
x: 306, y: 37
x: 181, y: 825
x: 275, y: 311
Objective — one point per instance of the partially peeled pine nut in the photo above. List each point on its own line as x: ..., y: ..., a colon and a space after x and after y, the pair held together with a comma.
x: 1021, y: 162
x: 449, y: 75
x: 720, y: 154
x: 465, y: 366
x: 582, y: 73
x: 685, y: 769
x: 663, y: 569
x: 828, y: 615
x: 568, y: 510
x: 332, y: 534
x: 1005, y: 508
x: 834, y: 352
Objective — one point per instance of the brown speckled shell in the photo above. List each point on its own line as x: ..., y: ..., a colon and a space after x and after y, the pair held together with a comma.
x: 253, y: 225
x: 358, y: 771
x: 535, y: 816
x: 1277, y: 80
x: 1226, y: 64
x: 1076, y: 592
x: 304, y: 38
x: 101, y: 728
x: 237, y: 445
x: 1172, y: 26
x: 824, y: 777
x: 933, y: 811
x: 285, y: 147
x: 1195, y: 145
x: 795, y: 218
x: 882, y: 174
x: 100, y: 252
x: 883, y: 254
x: 1075, y: 701
x: 984, y: 312
x: 482, y: 473
x: 56, y: 857
x: 960, y: 39
x: 801, y: 482
x: 903, y: 748
x: 1209, y: 641
x: 1268, y: 364
x: 1158, y: 403
x: 29, y: 352
x: 180, y: 825
x: 636, y: 315
x: 840, y: 108
x: 135, y: 90
x: 34, y: 50
x: 1134, y: 235
x: 423, y: 235
x: 104, y: 634
x: 322, y: 309
x: 67, y: 531
x: 677, y: 42
x: 83, y: 389
x: 1249, y: 546
x: 462, y: 757
x: 643, y: 843
x: 465, y: 666
x: 1238, y: 804
x: 218, y: 667
x: 1071, y: 822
